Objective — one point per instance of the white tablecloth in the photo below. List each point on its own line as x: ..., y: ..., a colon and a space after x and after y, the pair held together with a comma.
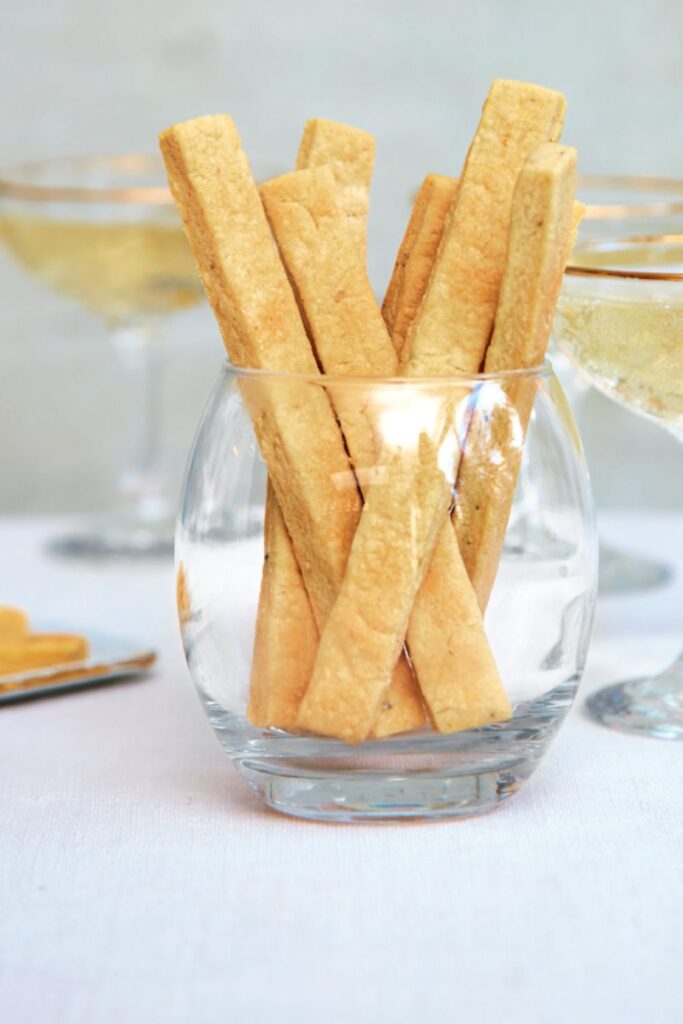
x: 143, y: 882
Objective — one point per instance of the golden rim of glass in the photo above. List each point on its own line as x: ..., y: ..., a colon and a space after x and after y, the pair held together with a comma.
x: 544, y: 369
x: 673, y: 204
x: 15, y: 181
x: 14, y: 185
x: 638, y: 275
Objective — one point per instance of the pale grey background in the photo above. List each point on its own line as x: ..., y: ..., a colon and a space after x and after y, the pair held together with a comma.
x: 79, y: 77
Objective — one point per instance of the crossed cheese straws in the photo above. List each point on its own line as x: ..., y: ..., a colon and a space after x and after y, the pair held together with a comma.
x: 351, y: 574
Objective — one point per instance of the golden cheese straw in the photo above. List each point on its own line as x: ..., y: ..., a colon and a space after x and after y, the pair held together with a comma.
x: 450, y: 334
x: 310, y: 222
x: 286, y: 639
x: 455, y: 319
x: 261, y: 326
x: 350, y: 155
x: 363, y: 636
x: 13, y: 623
x: 41, y: 650
x: 416, y: 256
x: 257, y: 313
x: 363, y: 580
x: 286, y: 635
x: 350, y: 337
x: 542, y: 230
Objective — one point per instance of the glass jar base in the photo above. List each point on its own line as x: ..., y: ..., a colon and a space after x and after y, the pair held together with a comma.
x: 416, y: 775
x: 646, y: 706
x: 335, y: 796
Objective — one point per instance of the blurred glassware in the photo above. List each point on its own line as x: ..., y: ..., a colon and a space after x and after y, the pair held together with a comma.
x: 620, y: 319
x: 104, y: 232
x: 618, y: 207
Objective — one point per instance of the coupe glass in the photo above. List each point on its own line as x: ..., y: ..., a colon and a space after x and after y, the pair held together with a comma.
x: 618, y: 207
x: 104, y: 232
x: 620, y: 319
x: 538, y: 617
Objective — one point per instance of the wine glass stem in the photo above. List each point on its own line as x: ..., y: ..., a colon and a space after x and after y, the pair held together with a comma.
x: 142, y: 356
x: 672, y: 677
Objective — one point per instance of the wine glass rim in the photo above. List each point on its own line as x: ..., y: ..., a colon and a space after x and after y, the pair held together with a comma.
x: 12, y: 187
x: 614, y: 272
x: 541, y: 371
x: 631, y: 209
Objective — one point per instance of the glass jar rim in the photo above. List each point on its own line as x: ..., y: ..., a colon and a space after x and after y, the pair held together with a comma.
x: 540, y: 372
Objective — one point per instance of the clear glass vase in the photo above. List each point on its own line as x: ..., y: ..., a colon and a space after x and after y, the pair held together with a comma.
x: 444, y: 457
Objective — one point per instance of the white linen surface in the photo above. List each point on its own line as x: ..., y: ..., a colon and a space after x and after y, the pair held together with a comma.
x: 142, y: 881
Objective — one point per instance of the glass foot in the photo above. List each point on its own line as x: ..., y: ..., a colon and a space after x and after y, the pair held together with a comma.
x: 116, y: 541
x: 622, y: 572
x: 652, y: 707
x: 142, y: 536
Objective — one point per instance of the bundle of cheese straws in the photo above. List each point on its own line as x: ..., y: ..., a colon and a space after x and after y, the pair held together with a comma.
x: 370, y: 617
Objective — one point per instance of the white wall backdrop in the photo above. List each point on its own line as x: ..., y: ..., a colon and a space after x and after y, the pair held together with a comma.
x: 80, y: 76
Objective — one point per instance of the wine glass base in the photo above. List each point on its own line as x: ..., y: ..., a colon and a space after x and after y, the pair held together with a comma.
x: 141, y: 536
x: 622, y: 572
x: 114, y: 543
x: 650, y: 707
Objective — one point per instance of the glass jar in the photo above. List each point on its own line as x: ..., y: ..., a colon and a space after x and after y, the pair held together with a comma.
x: 371, y: 481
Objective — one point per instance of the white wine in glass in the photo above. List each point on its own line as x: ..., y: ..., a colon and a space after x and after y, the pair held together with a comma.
x: 620, y: 319
x: 619, y: 207
x: 629, y: 340
x: 118, y: 270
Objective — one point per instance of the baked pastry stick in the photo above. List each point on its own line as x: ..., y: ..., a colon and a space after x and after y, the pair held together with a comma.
x: 286, y: 638
x: 261, y: 326
x: 416, y: 256
x: 455, y: 318
x: 350, y: 337
x: 363, y: 636
x: 13, y: 623
x: 449, y: 334
x: 286, y: 635
x: 542, y: 231
x: 41, y: 650
x: 311, y: 224
x: 350, y: 154
x: 481, y: 699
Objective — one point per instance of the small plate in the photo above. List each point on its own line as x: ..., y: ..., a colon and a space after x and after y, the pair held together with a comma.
x: 111, y: 658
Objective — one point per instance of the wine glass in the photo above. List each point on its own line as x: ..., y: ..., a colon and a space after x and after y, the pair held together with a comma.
x: 620, y: 319
x: 619, y: 207
x: 104, y: 232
